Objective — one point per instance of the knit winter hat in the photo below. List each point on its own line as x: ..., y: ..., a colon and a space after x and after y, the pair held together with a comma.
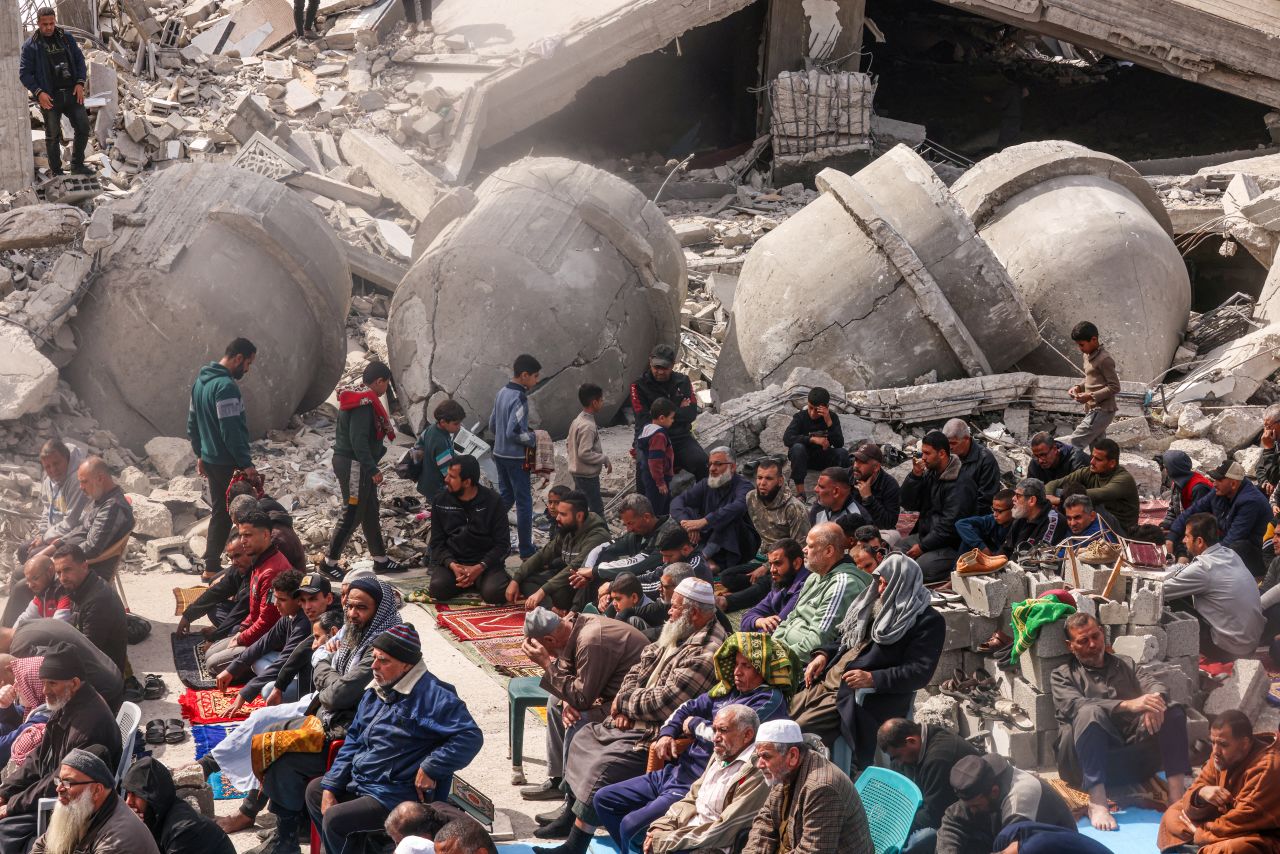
x: 61, y: 663
x: 367, y: 584
x: 401, y: 643
x: 91, y: 766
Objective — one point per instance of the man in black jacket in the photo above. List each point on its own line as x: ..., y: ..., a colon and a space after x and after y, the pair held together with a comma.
x: 40, y: 637
x: 226, y: 601
x: 661, y: 381
x: 470, y: 537
x: 814, y: 439
x: 977, y: 463
x: 1035, y: 522
x: 925, y: 755
x: 53, y: 70
x: 1053, y: 460
x: 878, y: 492
x: 636, y: 551
x: 96, y: 609
x: 80, y: 718
x: 936, y: 489
x: 108, y: 518
x: 178, y: 829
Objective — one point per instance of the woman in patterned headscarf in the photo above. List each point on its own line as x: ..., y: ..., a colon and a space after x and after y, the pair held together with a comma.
x: 769, y: 658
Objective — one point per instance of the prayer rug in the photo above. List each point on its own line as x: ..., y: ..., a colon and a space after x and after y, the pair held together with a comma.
x: 188, y: 661
x: 184, y: 596
x: 518, y: 670
x: 206, y: 737
x: 1135, y: 832
x: 906, y: 521
x: 483, y: 623
x: 1076, y: 800
x: 504, y: 653
x: 421, y: 596
x: 223, y: 791
x: 1152, y: 512
x: 212, y: 706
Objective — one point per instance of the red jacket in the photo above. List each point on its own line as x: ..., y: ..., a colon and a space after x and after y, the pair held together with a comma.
x: 262, y: 614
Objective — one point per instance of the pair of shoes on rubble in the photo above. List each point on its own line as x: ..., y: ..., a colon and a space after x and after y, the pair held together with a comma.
x: 976, y: 563
x: 1100, y: 553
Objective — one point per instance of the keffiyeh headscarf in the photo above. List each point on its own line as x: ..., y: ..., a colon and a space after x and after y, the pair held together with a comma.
x: 769, y: 658
x: 887, y: 615
x: 386, y: 616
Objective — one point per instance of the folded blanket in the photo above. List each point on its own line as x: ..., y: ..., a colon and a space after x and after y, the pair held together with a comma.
x: 270, y: 746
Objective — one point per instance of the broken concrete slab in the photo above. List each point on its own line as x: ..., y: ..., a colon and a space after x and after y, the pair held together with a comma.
x: 1232, y: 373
x: 544, y: 231
x: 254, y: 27
x: 31, y: 226
x: 298, y: 97
x: 338, y: 190
x: 170, y: 455
x: 396, y: 175
x: 449, y: 207
x: 1236, y: 427
x: 27, y: 379
x: 151, y: 519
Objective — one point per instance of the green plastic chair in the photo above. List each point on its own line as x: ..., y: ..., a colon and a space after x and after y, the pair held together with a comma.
x: 891, y: 802
x: 523, y: 693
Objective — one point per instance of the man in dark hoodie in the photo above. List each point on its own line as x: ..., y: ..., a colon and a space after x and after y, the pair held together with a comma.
x: 546, y: 574
x: 943, y: 497
x: 661, y: 381
x: 1187, y: 486
x: 813, y: 439
x: 219, y: 434
x: 178, y: 829
x: 363, y: 429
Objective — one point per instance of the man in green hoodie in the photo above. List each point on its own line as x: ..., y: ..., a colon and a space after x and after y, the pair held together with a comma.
x: 364, y: 428
x: 545, y: 574
x: 219, y: 434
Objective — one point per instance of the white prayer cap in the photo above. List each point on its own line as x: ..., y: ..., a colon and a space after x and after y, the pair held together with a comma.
x: 780, y: 731
x: 697, y: 590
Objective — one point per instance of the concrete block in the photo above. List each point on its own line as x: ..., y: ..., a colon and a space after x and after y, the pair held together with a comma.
x: 1037, y: 670
x: 1039, y: 583
x: 1182, y: 631
x: 959, y: 628
x: 1129, y: 432
x: 1205, y: 455
x: 1197, y: 727
x: 28, y: 380
x: 160, y: 546
x: 1051, y: 642
x: 692, y: 233
x: 981, y: 629
x: 1245, y: 689
x: 1094, y: 579
x: 1157, y: 632
x: 1037, y: 704
x: 1086, y: 604
x: 1049, y: 749
x: 1141, y: 649
x: 396, y: 175
x: 1190, y: 666
x: 986, y: 595
x: 170, y: 455
x: 1179, y: 687
x: 133, y: 479
x: 1234, y: 427
x: 1019, y: 585
x: 1193, y: 423
x: 150, y: 518
x: 1145, y: 602
x: 1020, y: 747
x: 1113, y: 613
x: 947, y: 663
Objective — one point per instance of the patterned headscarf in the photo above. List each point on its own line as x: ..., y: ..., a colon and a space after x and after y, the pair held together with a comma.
x: 770, y: 659
x: 904, y: 599
x: 386, y: 616
x: 26, y: 679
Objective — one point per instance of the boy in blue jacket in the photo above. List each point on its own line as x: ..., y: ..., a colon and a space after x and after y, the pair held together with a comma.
x: 509, y: 425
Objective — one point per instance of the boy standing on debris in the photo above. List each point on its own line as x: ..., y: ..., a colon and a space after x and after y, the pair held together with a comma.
x: 586, y: 455
x: 53, y: 70
x: 1099, y: 389
x: 509, y: 425
x: 435, y: 447
x: 219, y: 434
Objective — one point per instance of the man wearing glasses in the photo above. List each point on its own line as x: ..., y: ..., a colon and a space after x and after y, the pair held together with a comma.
x: 89, y: 815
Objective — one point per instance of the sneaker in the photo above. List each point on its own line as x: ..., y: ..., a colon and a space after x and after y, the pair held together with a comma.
x: 1100, y: 553
x: 389, y: 567
x: 332, y: 570
x: 81, y: 170
x: 311, y: 35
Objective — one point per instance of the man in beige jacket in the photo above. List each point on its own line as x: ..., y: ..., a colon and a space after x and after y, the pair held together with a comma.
x: 723, y: 802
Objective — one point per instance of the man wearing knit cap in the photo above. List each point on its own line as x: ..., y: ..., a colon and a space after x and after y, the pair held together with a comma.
x: 992, y: 795
x: 584, y: 658
x: 411, y: 734
x: 89, y: 816
x: 812, y: 805
x: 80, y: 718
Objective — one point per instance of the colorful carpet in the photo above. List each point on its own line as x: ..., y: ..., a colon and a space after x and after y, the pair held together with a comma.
x: 1152, y: 512
x: 420, y: 596
x: 188, y: 661
x: 206, y: 737
x: 212, y: 706
x: 223, y: 791
x: 184, y: 596
x: 483, y: 623
x: 506, y: 656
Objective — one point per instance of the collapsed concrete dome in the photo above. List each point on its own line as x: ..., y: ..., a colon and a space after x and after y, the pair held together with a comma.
x: 878, y: 281
x: 1083, y: 237
x: 204, y: 253
x: 558, y: 259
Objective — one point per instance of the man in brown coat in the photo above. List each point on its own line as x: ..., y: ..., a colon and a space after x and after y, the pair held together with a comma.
x: 812, y: 808
x: 1234, y: 805
x: 584, y: 657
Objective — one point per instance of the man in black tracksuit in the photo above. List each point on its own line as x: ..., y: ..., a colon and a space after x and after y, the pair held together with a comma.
x: 661, y: 381
x: 53, y: 70
x: 219, y: 434
x: 470, y: 536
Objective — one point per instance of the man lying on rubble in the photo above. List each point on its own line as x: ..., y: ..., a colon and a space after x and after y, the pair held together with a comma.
x: 1098, y: 390
x: 988, y: 533
x: 1233, y: 807
x: 1242, y: 513
x: 938, y: 490
x: 976, y: 462
x: 1224, y: 596
x: 1114, y: 721
x: 1108, y: 484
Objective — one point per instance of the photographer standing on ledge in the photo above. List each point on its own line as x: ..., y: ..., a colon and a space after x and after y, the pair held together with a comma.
x: 53, y: 70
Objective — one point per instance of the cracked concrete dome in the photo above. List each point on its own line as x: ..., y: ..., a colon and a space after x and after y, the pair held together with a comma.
x: 557, y: 259
x: 878, y: 281
x: 1083, y: 237
x: 202, y: 254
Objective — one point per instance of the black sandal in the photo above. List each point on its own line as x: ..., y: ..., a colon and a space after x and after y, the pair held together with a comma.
x: 155, y: 732
x: 175, y: 730
x: 133, y: 690
x: 153, y: 687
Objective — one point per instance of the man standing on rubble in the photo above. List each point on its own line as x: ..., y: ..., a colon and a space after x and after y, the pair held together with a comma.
x: 219, y: 433
x: 53, y: 70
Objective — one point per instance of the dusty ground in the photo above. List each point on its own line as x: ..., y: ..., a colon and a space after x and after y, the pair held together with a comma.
x: 150, y: 594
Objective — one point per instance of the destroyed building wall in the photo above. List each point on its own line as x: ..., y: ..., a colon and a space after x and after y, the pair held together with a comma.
x: 881, y: 280
x: 558, y: 259
x: 1083, y: 237
x: 204, y: 253
x: 15, y: 141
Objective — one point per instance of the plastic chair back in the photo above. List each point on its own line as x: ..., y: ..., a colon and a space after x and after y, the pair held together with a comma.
x: 890, y: 801
x: 127, y: 718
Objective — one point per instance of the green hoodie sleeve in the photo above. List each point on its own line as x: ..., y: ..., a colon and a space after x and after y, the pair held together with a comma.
x: 193, y: 427
x: 360, y: 435
x: 232, y: 423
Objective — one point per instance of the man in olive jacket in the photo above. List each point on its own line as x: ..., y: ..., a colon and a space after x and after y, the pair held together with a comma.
x: 546, y: 574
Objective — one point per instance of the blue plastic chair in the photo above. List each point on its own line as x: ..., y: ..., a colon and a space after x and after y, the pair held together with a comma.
x: 891, y: 802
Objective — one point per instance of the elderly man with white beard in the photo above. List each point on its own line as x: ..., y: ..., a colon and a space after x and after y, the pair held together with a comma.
x: 89, y: 817
x: 79, y: 718
x: 714, y: 513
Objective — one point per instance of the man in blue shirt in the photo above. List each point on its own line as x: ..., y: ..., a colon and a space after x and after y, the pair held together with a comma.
x: 509, y: 425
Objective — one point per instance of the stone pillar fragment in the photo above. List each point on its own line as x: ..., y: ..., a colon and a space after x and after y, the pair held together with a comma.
x: 16, y: 166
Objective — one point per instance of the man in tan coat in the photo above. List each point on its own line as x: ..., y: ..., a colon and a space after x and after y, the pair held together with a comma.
x: 1234, y: 805
x: 724, y: 800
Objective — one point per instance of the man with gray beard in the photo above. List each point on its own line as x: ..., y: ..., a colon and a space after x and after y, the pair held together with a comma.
x: 79, y: 718
x: 714, y: 513
x: 678, y: 667
x: 89, y: 817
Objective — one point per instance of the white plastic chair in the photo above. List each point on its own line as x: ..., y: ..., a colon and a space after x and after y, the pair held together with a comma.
x: 127, y: 719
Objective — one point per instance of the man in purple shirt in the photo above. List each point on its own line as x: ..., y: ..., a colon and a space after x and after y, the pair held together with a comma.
x: 786, y: 568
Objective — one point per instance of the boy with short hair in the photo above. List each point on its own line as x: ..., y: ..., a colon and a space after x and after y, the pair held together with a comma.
x: 509, y: 425
x: 435, y: 449
x: 813, y: 439
x: 656, y: 456
x: 1099, y: 389
x: 586, y: 455
x: 548, y: 521
x: 628, y: 603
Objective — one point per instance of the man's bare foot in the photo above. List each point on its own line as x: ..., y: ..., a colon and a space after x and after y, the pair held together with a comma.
x: 235, y: 822
x: 1100, y: 817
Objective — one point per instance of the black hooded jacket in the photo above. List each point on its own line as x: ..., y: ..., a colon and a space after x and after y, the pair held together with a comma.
x: 177, y: 827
